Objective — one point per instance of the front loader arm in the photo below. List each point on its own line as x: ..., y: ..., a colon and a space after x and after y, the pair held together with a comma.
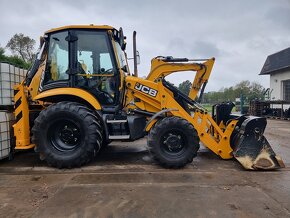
x: 162, y: 67
x: 240, y: 136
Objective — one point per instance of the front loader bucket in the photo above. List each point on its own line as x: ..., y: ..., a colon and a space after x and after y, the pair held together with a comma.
x: 252, y: 149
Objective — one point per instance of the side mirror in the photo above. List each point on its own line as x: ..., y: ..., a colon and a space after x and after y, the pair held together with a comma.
x: 138, y: 57
x: 122, y: 39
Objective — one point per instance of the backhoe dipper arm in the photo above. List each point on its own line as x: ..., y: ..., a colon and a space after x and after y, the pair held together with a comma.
x: 201, y: 79
x: 162, y: 67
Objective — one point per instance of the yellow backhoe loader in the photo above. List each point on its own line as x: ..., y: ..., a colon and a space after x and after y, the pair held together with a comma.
x: 80, y: 95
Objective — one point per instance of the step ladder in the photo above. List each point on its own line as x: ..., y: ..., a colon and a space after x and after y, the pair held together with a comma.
x: 118, y: 129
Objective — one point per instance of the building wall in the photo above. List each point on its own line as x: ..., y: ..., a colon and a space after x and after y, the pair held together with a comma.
x: 276, y: 84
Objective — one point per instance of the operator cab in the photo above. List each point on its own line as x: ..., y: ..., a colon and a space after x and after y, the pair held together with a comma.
x: 91, y: 59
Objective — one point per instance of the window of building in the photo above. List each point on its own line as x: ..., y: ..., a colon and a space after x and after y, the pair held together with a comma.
x: 286, y: 90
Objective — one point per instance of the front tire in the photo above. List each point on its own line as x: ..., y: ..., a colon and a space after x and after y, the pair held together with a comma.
x: 67, y: 135
x: 173, y: 142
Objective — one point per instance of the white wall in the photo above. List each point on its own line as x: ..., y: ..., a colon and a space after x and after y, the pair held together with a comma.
x: 276, y: 84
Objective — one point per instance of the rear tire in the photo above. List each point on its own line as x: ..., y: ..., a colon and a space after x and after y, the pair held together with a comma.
x: 173, y: 142
x: 105, y: 144
x: 67, y: 135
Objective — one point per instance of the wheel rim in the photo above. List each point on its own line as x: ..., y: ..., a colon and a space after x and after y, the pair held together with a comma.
x: 65, y: 135
x: 173, y: 142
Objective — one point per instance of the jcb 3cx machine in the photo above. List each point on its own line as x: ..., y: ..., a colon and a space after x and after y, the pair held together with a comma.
x: 80, y: 95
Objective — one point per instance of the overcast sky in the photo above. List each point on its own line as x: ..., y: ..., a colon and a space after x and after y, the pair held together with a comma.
x: 240, y: 34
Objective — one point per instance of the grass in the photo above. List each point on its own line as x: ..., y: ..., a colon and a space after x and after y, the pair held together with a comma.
x: 208, y: 107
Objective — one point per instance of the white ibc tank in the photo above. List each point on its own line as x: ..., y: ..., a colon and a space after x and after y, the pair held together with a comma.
x: 9, y: 76
x: 6, y: 120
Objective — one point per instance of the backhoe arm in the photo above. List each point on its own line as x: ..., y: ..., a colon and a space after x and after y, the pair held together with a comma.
x: 162, y: 67
x: 201, y: 79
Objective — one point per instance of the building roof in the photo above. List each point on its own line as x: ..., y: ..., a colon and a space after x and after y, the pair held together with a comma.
x: 277, y: 62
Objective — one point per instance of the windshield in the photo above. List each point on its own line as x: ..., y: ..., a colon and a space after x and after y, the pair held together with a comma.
x: 121, y: 55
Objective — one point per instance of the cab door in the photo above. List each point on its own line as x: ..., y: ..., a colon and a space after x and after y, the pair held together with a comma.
x: 96, y: 66
x: 56, y: 73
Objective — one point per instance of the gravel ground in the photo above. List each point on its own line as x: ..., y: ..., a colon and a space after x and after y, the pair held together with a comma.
x: 124, y: 182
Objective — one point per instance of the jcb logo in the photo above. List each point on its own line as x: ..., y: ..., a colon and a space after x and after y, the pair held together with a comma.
x: 146, y: 89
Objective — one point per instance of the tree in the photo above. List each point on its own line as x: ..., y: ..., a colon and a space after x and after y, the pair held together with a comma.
x: 244, y: 88
x: 14, y: 60
x: 185, y: 87
x: 257, y: 91
x: 250, y: 91
x: 23, y: 46
x: 2, y: 53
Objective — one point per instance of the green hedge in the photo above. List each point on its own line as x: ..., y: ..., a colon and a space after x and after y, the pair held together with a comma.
x: 16, y: 61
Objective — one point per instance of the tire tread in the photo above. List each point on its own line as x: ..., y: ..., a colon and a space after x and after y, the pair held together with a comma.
x: 93, y: 140
x: 192, y: 137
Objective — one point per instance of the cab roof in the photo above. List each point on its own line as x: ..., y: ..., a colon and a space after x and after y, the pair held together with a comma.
x: 91, y: 26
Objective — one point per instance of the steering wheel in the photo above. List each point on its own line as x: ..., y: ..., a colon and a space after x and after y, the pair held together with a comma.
x: 103, y: 71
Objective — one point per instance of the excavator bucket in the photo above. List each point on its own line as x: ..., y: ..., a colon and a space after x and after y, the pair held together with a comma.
x: 252, y: 149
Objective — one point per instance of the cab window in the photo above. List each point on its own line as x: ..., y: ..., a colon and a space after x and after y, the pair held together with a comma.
x: 94, y: 54
x: 96, y: 68
x: 57, y: 60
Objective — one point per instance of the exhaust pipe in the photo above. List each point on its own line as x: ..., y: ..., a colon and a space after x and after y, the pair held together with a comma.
x: 135, y: 54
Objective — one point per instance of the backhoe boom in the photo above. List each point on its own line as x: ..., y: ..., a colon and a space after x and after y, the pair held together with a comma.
x: 164, y: 66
